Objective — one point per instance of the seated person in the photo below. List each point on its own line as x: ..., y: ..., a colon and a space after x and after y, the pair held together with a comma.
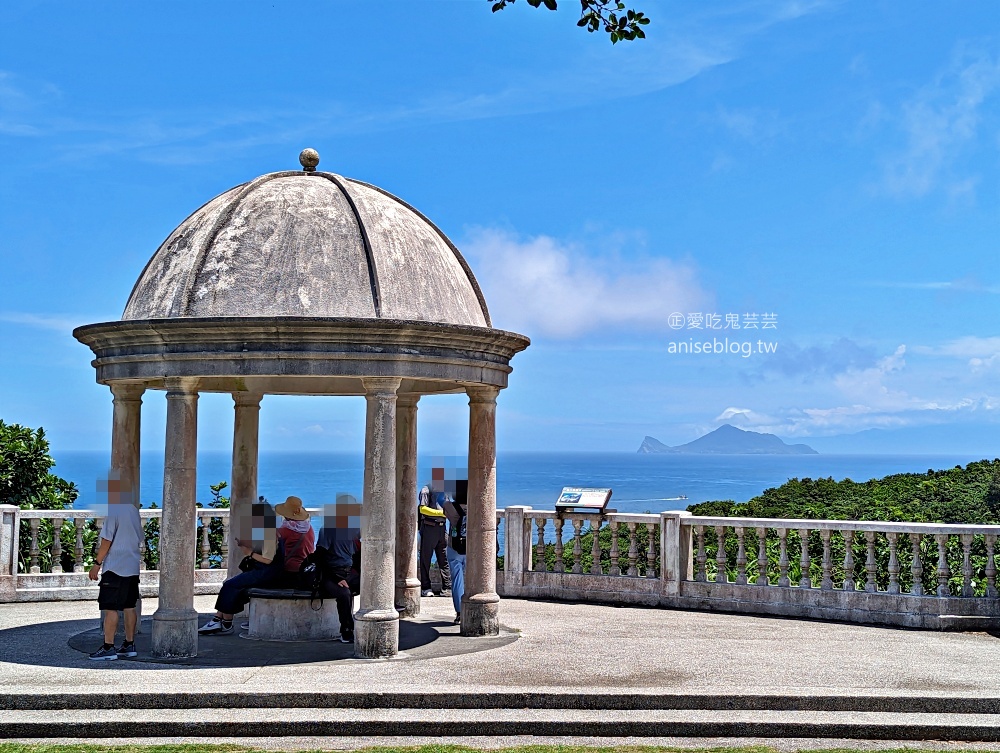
x: 269, y: 566
x: 296, y: 539
x: 340, y: 537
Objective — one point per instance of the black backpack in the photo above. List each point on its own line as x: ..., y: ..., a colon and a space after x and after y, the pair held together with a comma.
x: 458, y: 530
x: 311, y: 574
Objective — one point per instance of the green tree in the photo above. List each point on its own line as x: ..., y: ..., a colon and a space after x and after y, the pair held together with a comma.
x: 610, y: 16
x: 26, y: 480
x: 25, y: 471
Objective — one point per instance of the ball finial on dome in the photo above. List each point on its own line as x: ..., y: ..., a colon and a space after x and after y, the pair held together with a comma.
x: 309, y: 158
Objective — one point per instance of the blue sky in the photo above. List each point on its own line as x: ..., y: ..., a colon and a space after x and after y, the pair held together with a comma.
x: 834, y: 164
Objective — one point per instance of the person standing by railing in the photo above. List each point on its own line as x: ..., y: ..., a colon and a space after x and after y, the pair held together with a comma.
x: 455, y: 511
x: 432, y: 499
x: 118, y: 561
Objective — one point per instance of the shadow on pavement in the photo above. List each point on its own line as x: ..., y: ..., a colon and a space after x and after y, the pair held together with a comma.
x: 417, y: 640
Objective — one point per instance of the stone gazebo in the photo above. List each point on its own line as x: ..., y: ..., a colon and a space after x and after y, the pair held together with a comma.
x: 309, y: 283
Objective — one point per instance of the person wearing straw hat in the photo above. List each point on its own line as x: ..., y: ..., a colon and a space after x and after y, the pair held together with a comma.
x: 273, y: 558
x: 296, y: 536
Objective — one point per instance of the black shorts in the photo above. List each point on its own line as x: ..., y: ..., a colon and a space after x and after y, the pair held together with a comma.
x: 117, y: 591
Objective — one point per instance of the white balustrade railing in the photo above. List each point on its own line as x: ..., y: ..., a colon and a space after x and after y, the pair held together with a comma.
x: 46, y: 554
x: 912, y: 574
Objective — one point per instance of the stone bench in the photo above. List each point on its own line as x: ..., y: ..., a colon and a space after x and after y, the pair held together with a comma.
x: 284, y: 614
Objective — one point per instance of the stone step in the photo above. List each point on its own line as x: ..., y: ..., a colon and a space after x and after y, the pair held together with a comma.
x: 580, y: 701
x: 340, y: 722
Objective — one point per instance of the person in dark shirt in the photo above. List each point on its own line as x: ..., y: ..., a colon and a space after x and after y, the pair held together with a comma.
x: 340, y: 538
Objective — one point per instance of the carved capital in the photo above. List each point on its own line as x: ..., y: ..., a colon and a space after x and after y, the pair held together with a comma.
x: 381, y: 385
x: 482, y: 394
x: 127, y: 391
x: 247, y: 399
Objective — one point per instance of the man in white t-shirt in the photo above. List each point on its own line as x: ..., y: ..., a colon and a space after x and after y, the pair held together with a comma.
x: 118, y: 559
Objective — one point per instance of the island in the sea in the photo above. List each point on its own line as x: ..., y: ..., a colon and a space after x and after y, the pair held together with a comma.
x: 728, y: 440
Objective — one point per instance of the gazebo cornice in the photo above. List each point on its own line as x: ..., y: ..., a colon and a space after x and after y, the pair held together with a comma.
x: 290, y: 348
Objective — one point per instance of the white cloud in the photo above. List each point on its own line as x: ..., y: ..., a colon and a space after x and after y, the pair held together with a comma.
x: 683, y: 46
x: 61, y: 323
x: 941, y: 121
x: 540, y: 286
x: 730, y: 413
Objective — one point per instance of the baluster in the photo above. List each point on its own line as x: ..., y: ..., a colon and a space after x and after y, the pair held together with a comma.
x: 827, y: 583
x: 783, y: 558
x: 967, y: 589
x: 539, y: 563
x: 560, y: 566
x: 224, y: 547
x: 652, y: 546
x: 159, y: 543
x: 943, y: 571
x: 849, y: 584
x: 142, y: 545
x: 761, y: 556
x: 595, y: 547
x: 741, y: 556
x: 33, y: 551
x: 916, y: 566
x: 577, y: 547
x: 721, y: 574
x: 991, y: 566
x: 206, y: 548
x: 57, y: 545
x: 633, y: 551
x: 78, y: 524
x: 871, y: 585
x: 700, y: 559
x: 615, y: 555
x: 805, y: 579
x: 892, y: 536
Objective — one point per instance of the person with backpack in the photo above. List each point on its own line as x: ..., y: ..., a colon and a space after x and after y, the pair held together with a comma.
x: 455, y: 512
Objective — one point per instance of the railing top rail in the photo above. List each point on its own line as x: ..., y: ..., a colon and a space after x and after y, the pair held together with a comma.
x: 841, y: 525
x: 621, y: 517
x: 145, y: 512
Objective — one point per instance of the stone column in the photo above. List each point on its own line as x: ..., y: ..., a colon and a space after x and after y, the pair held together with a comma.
x: 175, y: 622
x: 480, y: 603
x: 517, y: 549
x: 246, y: 431
x: 125, y: 435
x: 675, y: 551
x: 9, y: 528
x: 377, y: 621
x: 407, y: 581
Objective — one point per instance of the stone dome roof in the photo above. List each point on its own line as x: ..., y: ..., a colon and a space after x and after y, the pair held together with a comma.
x: 309, y: 244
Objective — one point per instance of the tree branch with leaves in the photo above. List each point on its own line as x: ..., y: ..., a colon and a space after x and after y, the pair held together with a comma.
x: 611, y: 16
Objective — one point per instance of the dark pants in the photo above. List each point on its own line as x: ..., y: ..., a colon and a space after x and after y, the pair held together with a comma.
x: 331, y: 589
x: 233, y: 595
x: 432, y: 542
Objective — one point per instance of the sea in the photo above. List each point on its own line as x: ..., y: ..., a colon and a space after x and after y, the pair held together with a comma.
x: 639, y: 483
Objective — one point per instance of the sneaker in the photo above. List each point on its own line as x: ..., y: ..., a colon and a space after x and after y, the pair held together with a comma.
x: 215, y: 627
x: 458, y: 619
x: 347, y: 636
x: 245, y: 625
x: 445, y: 592
x: 127, y: 649
x: 105, y: 653
x: 426, y: 592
